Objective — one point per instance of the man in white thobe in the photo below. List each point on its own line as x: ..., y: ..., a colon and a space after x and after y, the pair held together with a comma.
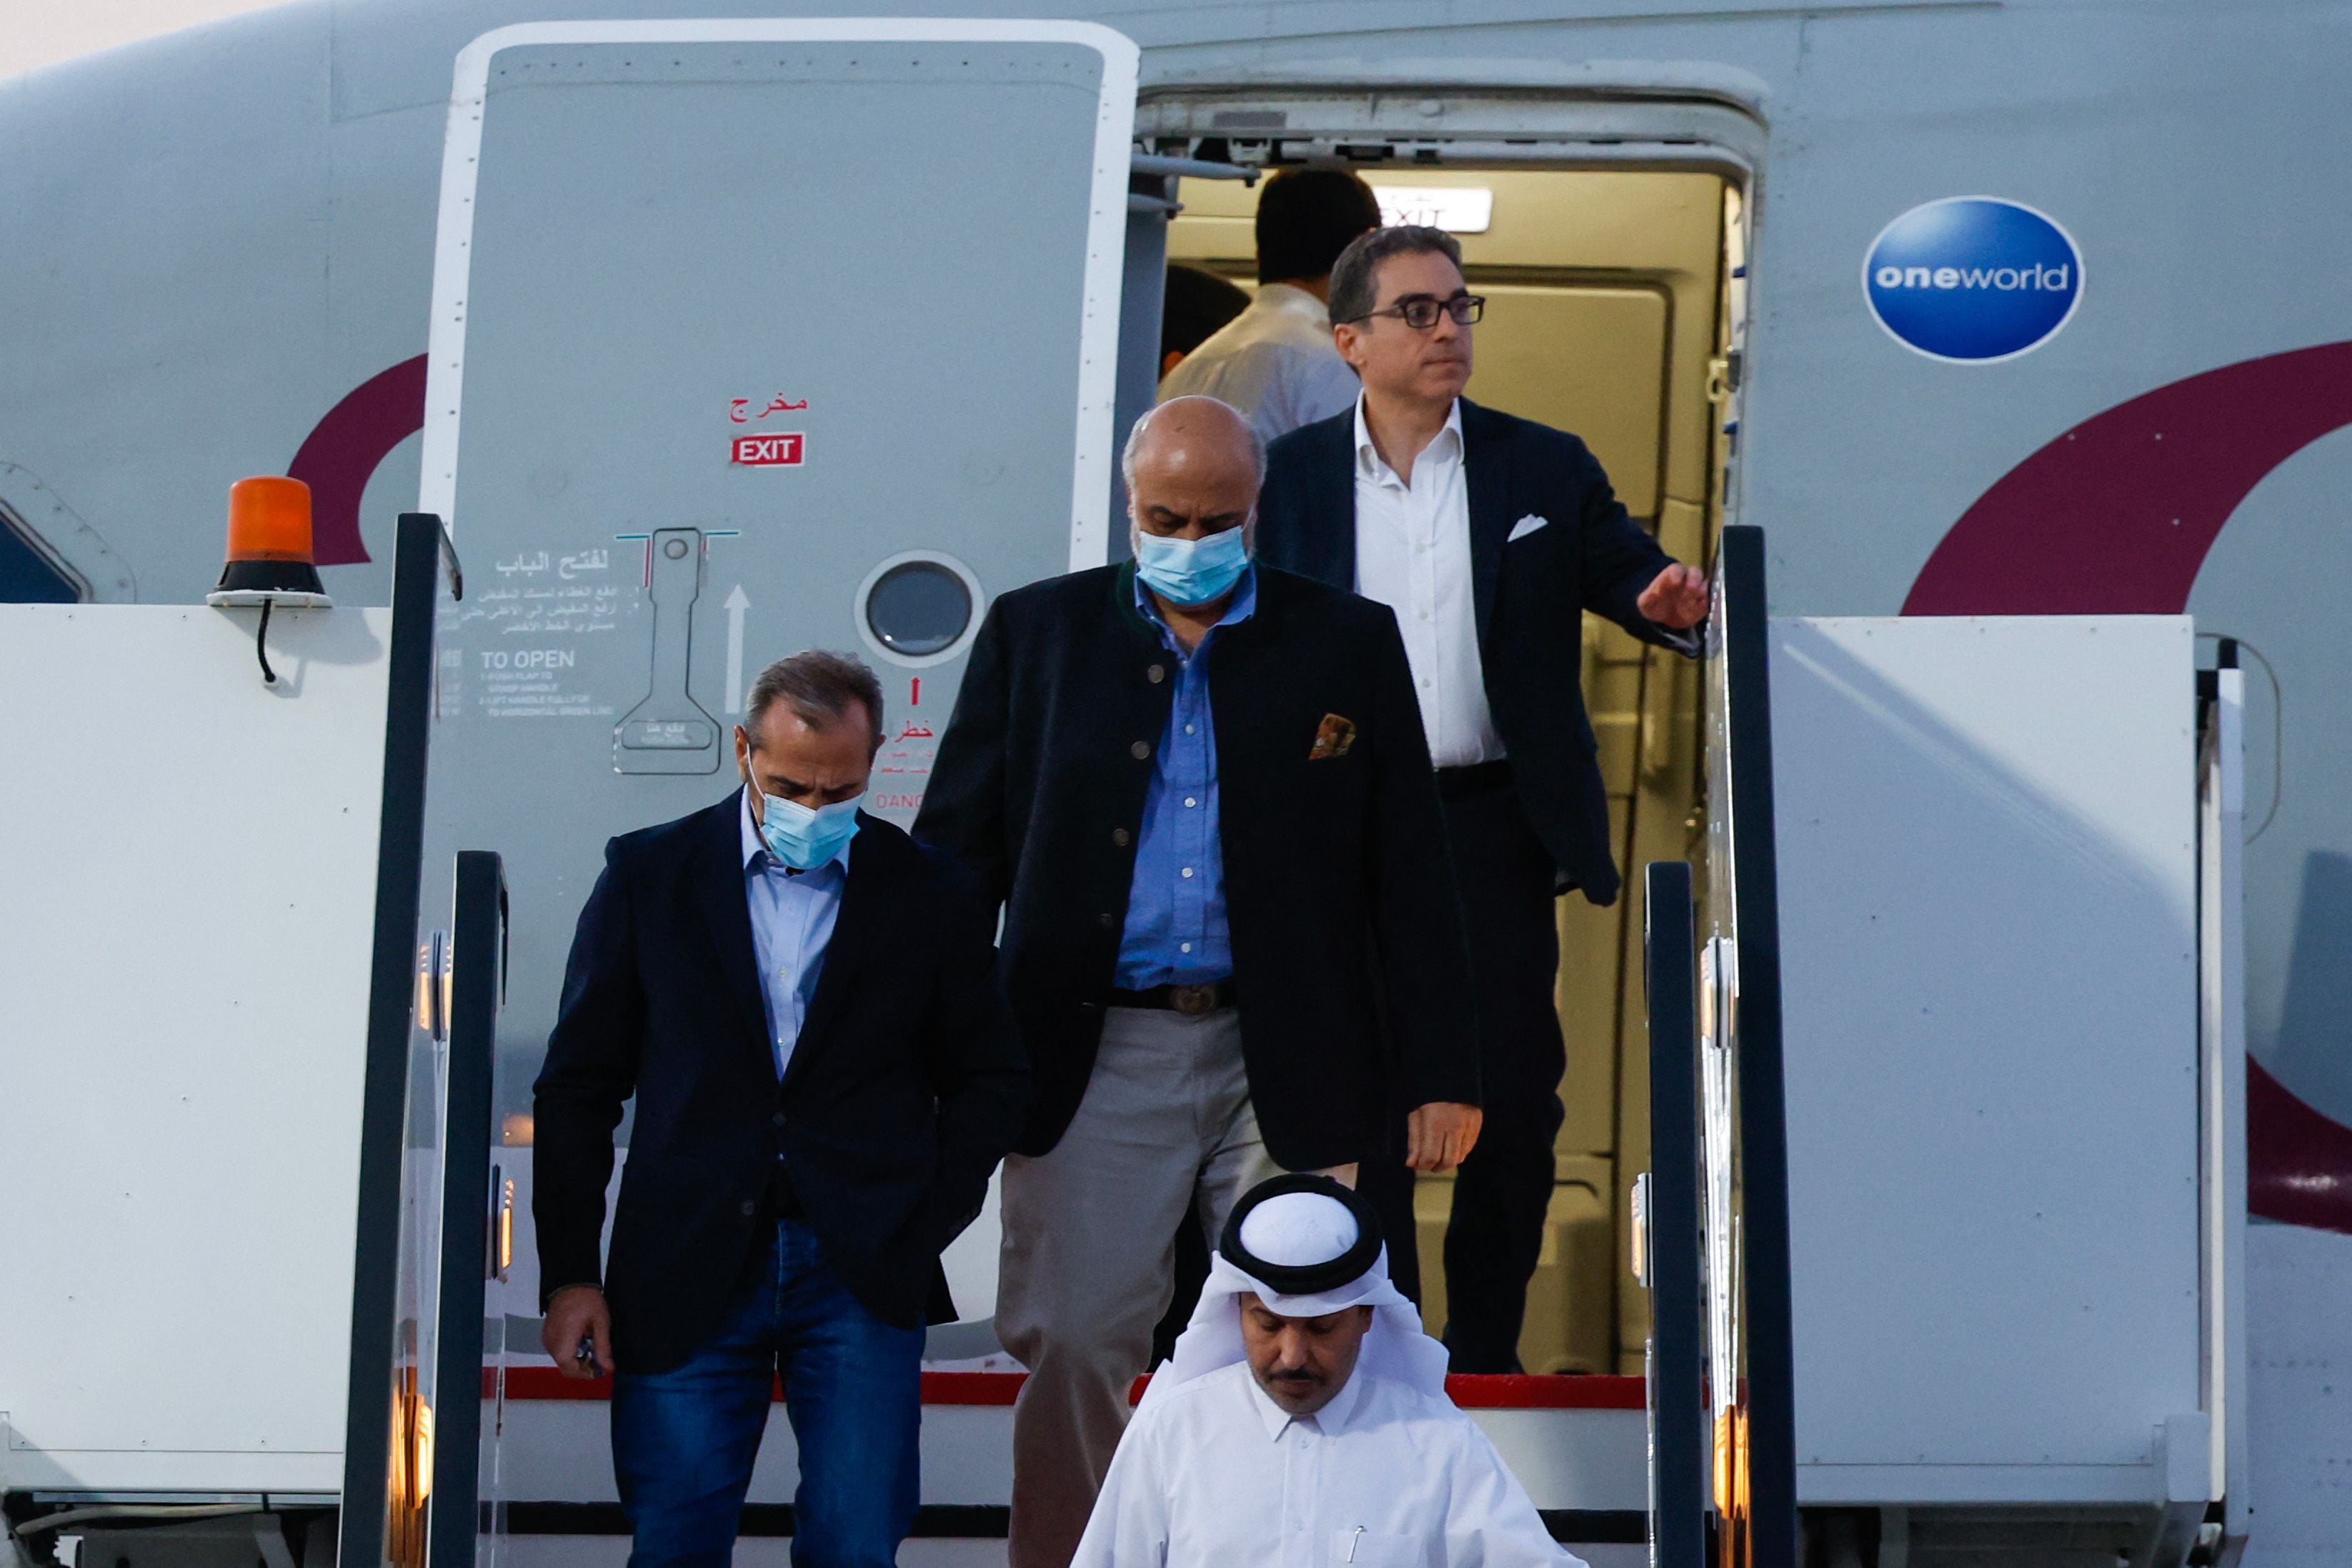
x: 1303, y: 1419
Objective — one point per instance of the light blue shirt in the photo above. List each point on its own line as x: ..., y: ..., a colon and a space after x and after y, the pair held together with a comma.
x: 1176, y: 907
x: 793, y: 915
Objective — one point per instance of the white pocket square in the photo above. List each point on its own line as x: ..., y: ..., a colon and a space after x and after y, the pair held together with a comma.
x: 1527, y: 526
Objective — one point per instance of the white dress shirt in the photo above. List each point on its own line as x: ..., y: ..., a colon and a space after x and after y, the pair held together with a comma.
x: 1413, y: 554
x: 1275, y: 362
x: 1217, y: 1474
x: 793, y: 915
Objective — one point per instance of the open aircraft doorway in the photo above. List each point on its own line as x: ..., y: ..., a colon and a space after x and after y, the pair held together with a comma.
x: 1611, y: 242
x: 1604, y: 317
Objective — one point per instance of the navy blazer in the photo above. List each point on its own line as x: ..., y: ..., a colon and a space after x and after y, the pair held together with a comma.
x: 902, y: 1092
x: 1348, y: 957
x: 1529, y: 594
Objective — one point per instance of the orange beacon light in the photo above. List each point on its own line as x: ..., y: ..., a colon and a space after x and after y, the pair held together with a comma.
x: 269, y: 546
x: 269, y: 560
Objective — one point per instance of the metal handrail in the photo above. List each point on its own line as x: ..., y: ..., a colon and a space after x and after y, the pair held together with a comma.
x: 1768, y: 1401
x: 1671, y: 1225
x: 477, y: 966
x: 419, y: 547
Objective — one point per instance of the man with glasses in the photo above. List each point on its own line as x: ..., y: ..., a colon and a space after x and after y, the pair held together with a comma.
x: 1489, y: 535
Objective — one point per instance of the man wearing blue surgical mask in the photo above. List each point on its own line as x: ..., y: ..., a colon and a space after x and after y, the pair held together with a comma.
x: 1198, y: 789
x: 1189, y: 529
x: 804, y: 1003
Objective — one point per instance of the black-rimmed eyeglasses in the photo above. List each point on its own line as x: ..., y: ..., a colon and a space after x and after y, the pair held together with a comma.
x: 1420, y: 311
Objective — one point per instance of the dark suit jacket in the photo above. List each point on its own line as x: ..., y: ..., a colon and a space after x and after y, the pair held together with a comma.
x: 902, y: 1092
x: 1528, y: 595
x: 1348, y: 957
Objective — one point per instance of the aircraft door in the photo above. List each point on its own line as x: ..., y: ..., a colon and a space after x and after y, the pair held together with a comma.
x: 748, y: 336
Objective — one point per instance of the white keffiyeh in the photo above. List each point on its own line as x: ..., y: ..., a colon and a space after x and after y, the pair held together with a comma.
x: 1299, y: 1230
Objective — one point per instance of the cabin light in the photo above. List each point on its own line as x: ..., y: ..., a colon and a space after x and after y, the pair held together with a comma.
x: 269, y: 560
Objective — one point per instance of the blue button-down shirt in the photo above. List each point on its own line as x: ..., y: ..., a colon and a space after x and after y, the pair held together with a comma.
x: 1176, y: 908
x: 793, y: 915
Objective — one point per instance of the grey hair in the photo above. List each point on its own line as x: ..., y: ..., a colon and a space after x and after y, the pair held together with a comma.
x: 1135, y: 438
x: 1355, y: 293
x: 818, y: 686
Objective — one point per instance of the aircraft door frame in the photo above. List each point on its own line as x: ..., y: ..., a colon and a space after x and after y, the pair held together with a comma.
x: 1150, y: 203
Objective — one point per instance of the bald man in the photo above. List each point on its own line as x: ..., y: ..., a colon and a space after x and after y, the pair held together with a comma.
x: 1198, y: 788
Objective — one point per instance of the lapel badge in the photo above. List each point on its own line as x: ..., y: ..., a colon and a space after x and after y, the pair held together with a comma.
x: 1332, y: 738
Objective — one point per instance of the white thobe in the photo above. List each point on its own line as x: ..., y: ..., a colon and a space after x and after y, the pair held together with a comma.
x: 1275, y: 362
x: 1413, y: 554
x: 1216, y: 1475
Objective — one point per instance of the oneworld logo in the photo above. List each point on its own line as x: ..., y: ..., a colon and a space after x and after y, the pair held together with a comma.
x: 1972, y: 280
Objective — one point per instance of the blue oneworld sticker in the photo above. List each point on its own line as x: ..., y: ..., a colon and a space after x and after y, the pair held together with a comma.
x: 1973, y: 278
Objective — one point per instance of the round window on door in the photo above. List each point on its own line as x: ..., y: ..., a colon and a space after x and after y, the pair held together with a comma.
x: 918, y: 608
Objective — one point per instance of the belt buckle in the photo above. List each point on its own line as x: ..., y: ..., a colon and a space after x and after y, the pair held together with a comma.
x: 1194, y: 1001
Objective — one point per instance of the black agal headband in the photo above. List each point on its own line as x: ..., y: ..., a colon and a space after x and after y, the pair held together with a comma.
x: 1304, y: 1279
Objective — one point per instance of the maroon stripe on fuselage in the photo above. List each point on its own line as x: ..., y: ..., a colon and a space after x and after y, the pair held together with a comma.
x: 341, y: 452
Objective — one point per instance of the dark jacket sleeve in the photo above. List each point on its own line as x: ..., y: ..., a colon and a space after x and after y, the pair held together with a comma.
x: 1423, y: 954
x: 1306, y: 507
x: 963, y: 808
x: 978, y: 1070
x: 1619, y: 560
x: 590, y: 1072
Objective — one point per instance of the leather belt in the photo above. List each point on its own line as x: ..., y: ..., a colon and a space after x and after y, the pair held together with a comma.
x: 1191, y: 1000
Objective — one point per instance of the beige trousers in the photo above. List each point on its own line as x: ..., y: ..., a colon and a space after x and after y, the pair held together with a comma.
x: 1088, y: 1258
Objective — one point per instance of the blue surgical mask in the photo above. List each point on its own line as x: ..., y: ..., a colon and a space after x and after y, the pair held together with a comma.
x: 803, y: 837
x: 1192, y: 571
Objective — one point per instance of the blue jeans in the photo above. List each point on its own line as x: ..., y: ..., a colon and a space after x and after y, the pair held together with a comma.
x: 684, y: 1440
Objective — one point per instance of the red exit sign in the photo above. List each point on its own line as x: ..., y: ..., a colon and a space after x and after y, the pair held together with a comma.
x: 777, y: 449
